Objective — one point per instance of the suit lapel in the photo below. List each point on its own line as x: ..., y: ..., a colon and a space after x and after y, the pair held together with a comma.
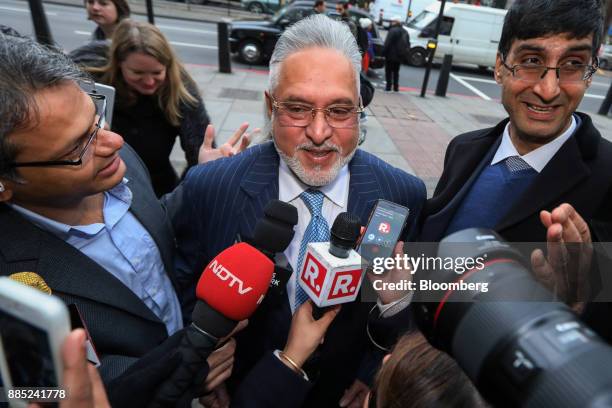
x: 64, y: 268
x: 475, y: 155
x: 260, y: 185
x: 364, y: 187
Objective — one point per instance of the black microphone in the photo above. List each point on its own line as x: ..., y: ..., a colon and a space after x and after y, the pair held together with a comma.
x: 273, y: 234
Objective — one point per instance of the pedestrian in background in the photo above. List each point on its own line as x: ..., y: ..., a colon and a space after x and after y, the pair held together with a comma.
x: 107, y: 14
x: 365, y: 43
x: 396, y: 46
x: 319, y: 6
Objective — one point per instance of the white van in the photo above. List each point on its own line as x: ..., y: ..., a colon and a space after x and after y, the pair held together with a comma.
x: 384, y: 10
x: 470, y: 33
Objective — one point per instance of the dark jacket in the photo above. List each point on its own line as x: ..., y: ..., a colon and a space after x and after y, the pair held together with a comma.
x: 580, y: 174
x: 122, y: 327
x: 397, y: 44
x: 224, y: 199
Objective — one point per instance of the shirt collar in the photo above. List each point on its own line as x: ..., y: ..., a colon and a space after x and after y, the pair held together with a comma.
x: 121, y: 192
x: 290, y: 187
x: 538, y: 158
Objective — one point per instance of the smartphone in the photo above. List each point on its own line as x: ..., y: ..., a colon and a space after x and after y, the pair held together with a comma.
x: 33, y: 326
x: 106, y: 90
x: 385, y: 226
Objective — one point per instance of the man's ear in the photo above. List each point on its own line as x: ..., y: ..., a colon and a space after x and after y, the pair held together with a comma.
x: 6, y: 191
x: 268, y: 104
x: 499, y: 65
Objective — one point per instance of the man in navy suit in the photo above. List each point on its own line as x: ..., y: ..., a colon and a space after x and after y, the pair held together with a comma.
x: 545, y: 173
x: 313, y: 163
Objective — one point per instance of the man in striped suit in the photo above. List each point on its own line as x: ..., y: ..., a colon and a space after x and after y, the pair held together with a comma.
x: 313, y: 163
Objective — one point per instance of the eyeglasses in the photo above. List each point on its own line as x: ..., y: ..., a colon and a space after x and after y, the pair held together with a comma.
x: 568, y: 73
x: 296, y: 114
x: 79, y: 151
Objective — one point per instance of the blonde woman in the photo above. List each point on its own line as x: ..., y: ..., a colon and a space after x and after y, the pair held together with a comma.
x: 156, y: 100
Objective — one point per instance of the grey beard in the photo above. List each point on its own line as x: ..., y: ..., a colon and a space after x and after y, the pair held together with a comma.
x: 315, y: 177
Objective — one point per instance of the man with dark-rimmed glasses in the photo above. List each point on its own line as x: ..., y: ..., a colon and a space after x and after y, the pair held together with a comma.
x: 78, y: 209
x: 545, y: 173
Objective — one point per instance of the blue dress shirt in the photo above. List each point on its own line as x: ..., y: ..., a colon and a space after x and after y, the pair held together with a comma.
x: 123, y: 247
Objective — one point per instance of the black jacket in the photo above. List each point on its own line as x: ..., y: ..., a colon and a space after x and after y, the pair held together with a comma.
x: 397, y: 44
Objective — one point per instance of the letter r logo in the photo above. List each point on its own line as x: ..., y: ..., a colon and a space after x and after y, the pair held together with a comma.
x: 345, y: 284
x: 313, y: 274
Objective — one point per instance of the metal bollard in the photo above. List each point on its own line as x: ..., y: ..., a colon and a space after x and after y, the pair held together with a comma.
x: 444, y: 75
x: 225, y: 64
x: 39, y: 20
x: 150, y: 13
x: 607, y: 103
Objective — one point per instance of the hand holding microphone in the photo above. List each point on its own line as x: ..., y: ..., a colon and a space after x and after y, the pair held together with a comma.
x: 230, y: 289
x: 306, y: 334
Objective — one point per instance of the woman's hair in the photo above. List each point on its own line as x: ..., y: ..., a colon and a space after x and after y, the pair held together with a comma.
x: 133, y: 36
x: 123, y: 9
x: 419, y: 376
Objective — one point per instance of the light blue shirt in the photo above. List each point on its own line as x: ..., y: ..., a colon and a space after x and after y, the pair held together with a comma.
x: 335, y: 201
x: 538, y: 158
x: 123, y: 247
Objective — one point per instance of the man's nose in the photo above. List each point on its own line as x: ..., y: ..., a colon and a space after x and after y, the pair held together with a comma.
x: 319, y: 130
x: 547, y: 87
x: 108, y: 142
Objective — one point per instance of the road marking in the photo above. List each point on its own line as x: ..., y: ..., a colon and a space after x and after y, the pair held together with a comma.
x: 470, y: 87
x: 187, y: 30
x: 183, y: 44
x: 20, y: 10
x: 467, y: 78
x: 490, y: 81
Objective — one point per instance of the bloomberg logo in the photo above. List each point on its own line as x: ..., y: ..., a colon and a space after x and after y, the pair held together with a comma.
x: 225, y: 275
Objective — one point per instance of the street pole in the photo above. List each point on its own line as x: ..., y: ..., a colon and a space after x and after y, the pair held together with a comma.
x: 431, y: 46
x: 150, y: 14
x: 39, y: 20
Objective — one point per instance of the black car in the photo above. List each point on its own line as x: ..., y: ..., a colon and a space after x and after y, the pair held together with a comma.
x: 254, y: 40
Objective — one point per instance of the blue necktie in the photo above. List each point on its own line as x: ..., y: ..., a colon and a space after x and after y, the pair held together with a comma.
x: 316, y: 231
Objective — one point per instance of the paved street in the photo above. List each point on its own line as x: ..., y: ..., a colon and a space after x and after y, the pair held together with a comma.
x: 194, y: 36
x: 403, y: 129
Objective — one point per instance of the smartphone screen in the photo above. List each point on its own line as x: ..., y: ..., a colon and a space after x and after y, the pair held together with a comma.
x: 384, y: 229
x: 27, y: 353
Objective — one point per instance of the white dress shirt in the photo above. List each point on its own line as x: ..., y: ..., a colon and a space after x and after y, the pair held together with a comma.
x: 538, y: 158
x: 335, y: 202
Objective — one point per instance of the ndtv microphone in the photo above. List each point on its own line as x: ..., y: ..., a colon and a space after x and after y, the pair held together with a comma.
x: 230, y: 288
x: 331, y: 273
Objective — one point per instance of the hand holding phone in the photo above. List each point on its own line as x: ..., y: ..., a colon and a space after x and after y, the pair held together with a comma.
x: 385, y: 226
x: 33, y: 326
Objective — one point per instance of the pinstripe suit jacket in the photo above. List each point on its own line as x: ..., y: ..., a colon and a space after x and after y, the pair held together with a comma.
x: 121, y: 325
x: 225, y: 198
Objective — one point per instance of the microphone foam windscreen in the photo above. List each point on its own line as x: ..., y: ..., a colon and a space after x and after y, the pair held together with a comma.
x: 281, y: 211
x: 274, y: 232
x: 345, y: 230
x: 235, y: 281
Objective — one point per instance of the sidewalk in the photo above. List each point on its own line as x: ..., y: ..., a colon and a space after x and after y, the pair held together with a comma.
x: 405, y: 130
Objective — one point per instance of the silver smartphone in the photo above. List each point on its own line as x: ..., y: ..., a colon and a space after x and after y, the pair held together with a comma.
x: 33, y: 327
x: 106, y: 90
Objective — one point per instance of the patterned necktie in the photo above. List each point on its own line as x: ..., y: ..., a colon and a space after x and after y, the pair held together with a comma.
x: 316, y: 231
x: 515, y: 163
